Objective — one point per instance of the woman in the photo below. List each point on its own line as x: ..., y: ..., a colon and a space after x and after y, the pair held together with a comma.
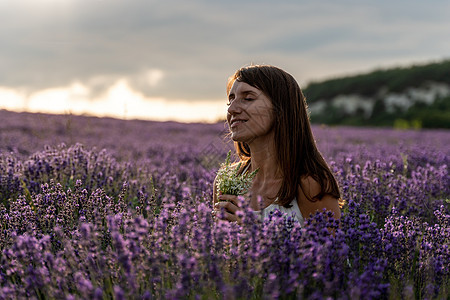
x: 269, y: 124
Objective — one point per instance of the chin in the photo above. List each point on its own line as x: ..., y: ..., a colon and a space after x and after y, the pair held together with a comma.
x: 236, y: 137
x: 240, y: 138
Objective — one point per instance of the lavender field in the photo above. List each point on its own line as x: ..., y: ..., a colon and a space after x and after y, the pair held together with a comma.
x: 111, y: 209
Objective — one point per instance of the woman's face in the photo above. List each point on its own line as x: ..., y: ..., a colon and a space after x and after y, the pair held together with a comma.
x: 249, y: 114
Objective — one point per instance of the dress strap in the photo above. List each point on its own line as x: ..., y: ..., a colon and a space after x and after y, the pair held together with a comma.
x: 246, y: 168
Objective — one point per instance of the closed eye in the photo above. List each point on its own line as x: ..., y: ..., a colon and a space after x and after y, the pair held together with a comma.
x: 246, y: 99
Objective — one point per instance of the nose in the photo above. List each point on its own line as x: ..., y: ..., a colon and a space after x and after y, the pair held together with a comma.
x: 234, y: 107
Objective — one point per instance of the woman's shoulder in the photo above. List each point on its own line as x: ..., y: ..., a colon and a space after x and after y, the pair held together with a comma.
x: 309, y: 200
x: 309, y: 187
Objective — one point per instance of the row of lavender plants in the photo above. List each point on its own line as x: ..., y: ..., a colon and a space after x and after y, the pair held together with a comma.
x: 134, y: 221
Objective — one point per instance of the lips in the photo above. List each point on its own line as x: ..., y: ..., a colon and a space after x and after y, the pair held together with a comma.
x: 236, y: 122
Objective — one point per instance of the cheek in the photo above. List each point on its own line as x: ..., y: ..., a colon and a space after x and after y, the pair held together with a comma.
x: 267, y: 116
x: 270, y: 120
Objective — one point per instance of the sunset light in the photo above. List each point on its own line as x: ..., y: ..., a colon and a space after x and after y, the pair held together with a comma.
x: 119, y: 101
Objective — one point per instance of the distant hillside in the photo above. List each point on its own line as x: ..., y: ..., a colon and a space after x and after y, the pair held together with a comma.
x: 415, y: 96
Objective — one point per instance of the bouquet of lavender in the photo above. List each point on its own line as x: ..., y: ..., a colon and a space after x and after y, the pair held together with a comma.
x: 230, y: 182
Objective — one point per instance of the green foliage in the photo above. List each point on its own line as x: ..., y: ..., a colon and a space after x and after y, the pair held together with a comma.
x: 394, y: 80
x: 419, y: 115
x: 405, y: 124
x: 436, y: 115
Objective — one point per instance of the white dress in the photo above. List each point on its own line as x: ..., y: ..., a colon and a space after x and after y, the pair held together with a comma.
x: 293, y: 210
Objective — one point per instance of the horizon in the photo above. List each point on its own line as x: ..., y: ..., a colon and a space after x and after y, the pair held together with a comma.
x: 87, y: 115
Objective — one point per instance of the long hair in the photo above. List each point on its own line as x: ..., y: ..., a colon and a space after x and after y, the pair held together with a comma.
x: 296, y: 150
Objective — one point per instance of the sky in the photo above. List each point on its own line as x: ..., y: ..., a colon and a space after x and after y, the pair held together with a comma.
x: 170, y: 59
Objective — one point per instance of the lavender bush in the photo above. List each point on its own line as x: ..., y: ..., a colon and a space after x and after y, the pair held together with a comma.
x: 108, y: 209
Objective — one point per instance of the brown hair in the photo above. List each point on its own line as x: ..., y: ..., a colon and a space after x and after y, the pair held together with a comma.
x: 297, y: 153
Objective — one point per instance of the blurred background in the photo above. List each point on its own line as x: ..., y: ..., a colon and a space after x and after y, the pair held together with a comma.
x: 359, y: 62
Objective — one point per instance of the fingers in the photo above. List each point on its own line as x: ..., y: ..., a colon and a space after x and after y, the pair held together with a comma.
x: 226, y: 208
x: 229, y: 198
x: 226, y: 216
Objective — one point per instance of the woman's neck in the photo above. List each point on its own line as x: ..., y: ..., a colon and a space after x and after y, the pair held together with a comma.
x: 267, y: 181
x: 263, y: 158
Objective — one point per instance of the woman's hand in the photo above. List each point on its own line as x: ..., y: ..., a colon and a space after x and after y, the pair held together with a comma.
x: 226, y: 208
